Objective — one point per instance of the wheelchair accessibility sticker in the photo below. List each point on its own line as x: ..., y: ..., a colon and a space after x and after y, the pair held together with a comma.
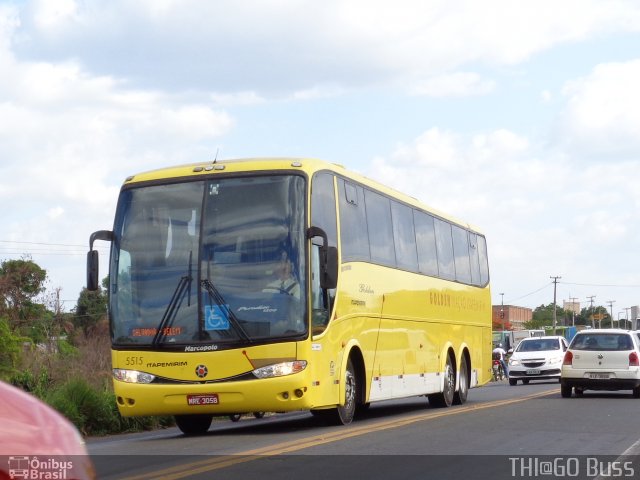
x: 216, y: 317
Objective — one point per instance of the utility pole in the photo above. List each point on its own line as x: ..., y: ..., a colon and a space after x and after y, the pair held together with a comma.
x: 591, y: 310
x: 502, y: 310
x: 611, y: 302
x: 555, y: 284
x: 573, y: 310
x: 626, y: 318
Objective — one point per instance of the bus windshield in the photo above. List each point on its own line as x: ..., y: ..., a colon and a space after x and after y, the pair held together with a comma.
x: 218, y: 262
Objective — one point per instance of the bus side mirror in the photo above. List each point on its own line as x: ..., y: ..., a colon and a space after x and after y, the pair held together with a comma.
x: 92, y: 270
x: 330, y: 278
x: 328, y: 259
x: 92, y: 258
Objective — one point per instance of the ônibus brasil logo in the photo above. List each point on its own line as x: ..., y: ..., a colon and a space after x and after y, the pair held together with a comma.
x: 39, y: 468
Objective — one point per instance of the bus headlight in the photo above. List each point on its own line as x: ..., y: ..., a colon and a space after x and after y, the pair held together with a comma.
x: 132, y: 376
x: 280, y: 369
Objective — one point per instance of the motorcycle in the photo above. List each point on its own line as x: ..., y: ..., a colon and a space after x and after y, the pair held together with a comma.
x: 498, y: 371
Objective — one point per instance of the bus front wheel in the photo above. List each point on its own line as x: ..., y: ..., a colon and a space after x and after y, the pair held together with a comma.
x: 343, y: 414
x: 194, y: 424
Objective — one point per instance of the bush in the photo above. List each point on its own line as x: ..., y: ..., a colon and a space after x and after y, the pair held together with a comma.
x: 37, y: 384
x: 90, y: 410
x: 95, y: 412
x: 10, y: 348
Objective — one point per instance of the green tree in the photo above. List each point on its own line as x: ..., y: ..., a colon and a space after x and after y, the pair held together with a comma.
x: 91, y: 307
x: 543, y: 317
x: 596, y: 316
x: 20, y: 282
x: 10, y: 348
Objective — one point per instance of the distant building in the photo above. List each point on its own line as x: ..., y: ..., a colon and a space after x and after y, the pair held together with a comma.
x: 516, y: 316
x: 571, y: 307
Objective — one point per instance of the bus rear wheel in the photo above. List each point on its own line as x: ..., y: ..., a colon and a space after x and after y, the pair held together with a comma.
x: 194, y: 424
x: 445, y: 398
x: 463, y: 383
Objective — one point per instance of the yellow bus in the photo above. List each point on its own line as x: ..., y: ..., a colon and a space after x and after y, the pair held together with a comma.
x: 288, y: 284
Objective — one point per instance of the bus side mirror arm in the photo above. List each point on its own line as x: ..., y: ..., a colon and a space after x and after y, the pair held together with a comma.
x: 328, y: 259
x: 92, y: 258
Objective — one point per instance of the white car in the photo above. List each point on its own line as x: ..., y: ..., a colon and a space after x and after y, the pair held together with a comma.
x: 607, y: 359
x: 537, y: 358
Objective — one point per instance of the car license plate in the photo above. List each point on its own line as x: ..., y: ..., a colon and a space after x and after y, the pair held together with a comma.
x: 533, y: 371
x: 203, y: 399
x: 599, y: 376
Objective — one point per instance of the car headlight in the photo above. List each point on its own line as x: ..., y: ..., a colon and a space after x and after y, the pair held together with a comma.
x: 553, y: 360
x: 132, y: 376
x: 514, y: 361
x: 280, y: 369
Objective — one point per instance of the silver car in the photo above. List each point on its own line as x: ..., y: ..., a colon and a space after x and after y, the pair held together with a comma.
x: 537, y: 358
x: 607, y: 359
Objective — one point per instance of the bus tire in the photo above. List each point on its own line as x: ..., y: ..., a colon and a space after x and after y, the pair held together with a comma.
x: 445, y: 398
x: 343, y: 414
x: 194, y: 424
x: 348, y: 410
x: 463, y: 383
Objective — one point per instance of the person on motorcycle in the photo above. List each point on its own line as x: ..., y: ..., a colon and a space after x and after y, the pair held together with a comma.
x: 500, y: 354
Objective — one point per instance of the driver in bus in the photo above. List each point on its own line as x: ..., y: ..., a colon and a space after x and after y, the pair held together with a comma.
x: 285, y: 281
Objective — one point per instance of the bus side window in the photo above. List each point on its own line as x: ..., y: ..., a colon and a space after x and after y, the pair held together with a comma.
x: 444, y: 247
x: 426, y: 243
x: 483, y: 260
x: 461, y: 254
x: 354, y: 234
x: 404, y: 236
x: 323, y: 215
x: 475, y: 260
x: 321, y: 300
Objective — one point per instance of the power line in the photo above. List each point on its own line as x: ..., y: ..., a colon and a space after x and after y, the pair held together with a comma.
x: 44, y: 243
x: 13, y: 247
x: 531, y: 293
x: 600, y: 285
x: 35, y: 252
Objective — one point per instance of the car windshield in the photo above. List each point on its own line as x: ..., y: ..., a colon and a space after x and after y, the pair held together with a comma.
x: 602, y: 341
x: 214, y: 262
x: 538, y: 345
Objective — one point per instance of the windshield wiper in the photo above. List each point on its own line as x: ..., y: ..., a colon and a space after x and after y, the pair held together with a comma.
x: 219, y: 299
x: 184, y: 285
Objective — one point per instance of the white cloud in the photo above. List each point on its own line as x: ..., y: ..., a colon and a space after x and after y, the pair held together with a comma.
x: 603, y: 110
x: 52, y: 13
x: 454, y: 85
x: 284, y: 46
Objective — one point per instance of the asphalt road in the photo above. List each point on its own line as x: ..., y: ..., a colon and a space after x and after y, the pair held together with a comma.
x: 502, y: 431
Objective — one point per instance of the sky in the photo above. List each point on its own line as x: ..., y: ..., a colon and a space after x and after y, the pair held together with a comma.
x: 522, y: 118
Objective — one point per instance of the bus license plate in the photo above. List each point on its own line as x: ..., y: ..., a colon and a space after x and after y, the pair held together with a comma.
x: 533, y: 371
x: 203, y: 399
x: 599, y: 376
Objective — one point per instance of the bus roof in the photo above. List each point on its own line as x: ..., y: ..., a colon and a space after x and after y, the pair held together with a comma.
x: 308, y: 165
